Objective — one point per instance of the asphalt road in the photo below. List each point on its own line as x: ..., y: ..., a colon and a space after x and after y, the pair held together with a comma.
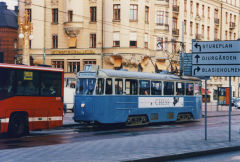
x: 80, y: 133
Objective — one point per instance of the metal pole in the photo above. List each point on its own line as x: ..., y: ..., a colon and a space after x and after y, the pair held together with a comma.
x: 205, y: 108
x: 217, y: 98
x: 230, y: 105
x: 183, y: 48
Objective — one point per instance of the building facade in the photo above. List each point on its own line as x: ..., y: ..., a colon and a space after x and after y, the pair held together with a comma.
x: 8, y: 34
x: 130, y: 34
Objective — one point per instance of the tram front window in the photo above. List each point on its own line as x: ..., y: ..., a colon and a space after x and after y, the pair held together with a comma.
x: 85, y: 86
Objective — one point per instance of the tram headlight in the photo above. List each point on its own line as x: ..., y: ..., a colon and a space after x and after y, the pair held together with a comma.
x: 82, y: 105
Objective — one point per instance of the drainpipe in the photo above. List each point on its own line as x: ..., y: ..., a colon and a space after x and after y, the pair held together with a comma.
x: 102, y: 36
x: 44, y: 37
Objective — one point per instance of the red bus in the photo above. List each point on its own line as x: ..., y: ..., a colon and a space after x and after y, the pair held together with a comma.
x: 31, y: 98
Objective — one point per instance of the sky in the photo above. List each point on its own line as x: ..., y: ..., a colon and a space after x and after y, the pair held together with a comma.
x: 10, y: 3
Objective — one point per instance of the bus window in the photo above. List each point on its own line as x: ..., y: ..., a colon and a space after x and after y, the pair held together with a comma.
x: 180, y: 88
x: 168, y: 88
x: 118, y: 86
x: 108, y: 86
x: 6, y: 83
x: 100, y: 86
x: 85, y: 86
x: 156, y: 88
x: 50, y: 84
x: 131, y: 87
x: 144, y: 87
x: 189, y: 89
x: 197, y: 89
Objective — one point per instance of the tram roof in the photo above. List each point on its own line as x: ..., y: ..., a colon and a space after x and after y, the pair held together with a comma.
x: 141, y: 75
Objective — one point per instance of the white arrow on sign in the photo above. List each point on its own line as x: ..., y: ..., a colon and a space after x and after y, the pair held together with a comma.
x: 216, y: 46
x: 216, y: 58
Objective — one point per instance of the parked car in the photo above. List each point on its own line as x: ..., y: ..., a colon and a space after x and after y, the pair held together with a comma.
x: 236, y: 102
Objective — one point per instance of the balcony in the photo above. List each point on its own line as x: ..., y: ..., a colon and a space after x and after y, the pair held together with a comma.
x: 175, y: 8
x: 162, y: 27
x: 198, y: 36
x: 232, y: 25
x: 175, y: 32
x: 216, y: 21
x: 72, y: 29
x: 162, y: 2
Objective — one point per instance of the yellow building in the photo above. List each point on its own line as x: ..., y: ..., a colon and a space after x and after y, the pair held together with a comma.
x: 136, y: 35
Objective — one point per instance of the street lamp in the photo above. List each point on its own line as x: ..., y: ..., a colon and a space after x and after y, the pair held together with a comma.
x: 25, y: 33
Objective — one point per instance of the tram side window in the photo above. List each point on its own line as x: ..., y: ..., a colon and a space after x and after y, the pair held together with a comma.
x: 100, y: 86
x: 198, y: 87
x: 180, y: 87
x: 6, y: 83
x: 108, y: 86
x: 156, y: 88
x: 189, y: 89
x: 118, y: 86
x: 144, y: 87
x: 131, y: 87
x: 168, y: 88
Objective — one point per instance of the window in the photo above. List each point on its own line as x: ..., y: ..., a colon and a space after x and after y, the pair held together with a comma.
x: 174, y: 25
x: 89, y: 62
x: 133, y: 39
x: 131, y: 87
x: 29, y: 13
x: 185, y: 5
x: 100, y: 86
x: 73, y: 66
x: 166, y: 18
x: 191, y: 7
x: 146, y: 14
x: 70, y: 16
x: 116, y: 39
x: 226, y: 33
x: 180, y: 87
x: 92, y: 40
x: 203, y: 10
x: 197, y: 28
x: 93, y: 14
x: 159, y: 18
x: 118, y: 86
x: 108, y: 86
x: 197, y: 6
x: 54, y: 41
x: 6, y: 83
x: 85, y: 86
x: 116, y: 12
x: 133, y: 12
x: 144, y: 87
x: 185, y: 26
x: 209, y: 12
x: 191, y: 27
x: 54, y: 15
x: 226, y: 18
x: 168, y: 88
x: 58, y: 64
x: 189, y: 89
x: 156, y: 88
x: 203, y: 31
x: 208, y: 32
x: 146, y: 38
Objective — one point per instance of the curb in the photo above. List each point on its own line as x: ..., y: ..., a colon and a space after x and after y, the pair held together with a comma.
x: 188, y: 155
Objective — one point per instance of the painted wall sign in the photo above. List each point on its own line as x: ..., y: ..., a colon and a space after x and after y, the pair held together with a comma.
x: 160, y: 102
x: 216, y: 46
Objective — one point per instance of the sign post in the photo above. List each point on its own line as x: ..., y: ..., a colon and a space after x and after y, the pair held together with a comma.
x: 216, y: 58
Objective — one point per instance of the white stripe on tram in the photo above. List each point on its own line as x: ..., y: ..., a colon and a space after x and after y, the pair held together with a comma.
x: 36, y: 119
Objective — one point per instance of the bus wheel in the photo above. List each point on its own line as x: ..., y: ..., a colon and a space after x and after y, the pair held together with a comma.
x: 18, y: 125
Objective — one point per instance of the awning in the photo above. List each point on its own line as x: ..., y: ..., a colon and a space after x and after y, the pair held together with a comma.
x: 203, y: 91
x: 73, y: 42
x: 117, y: 62
x: 161, y: 65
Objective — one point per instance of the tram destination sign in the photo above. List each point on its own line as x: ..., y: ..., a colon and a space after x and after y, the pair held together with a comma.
x: 215, y: 58
x: 216, y: 46
x: 216, y: 70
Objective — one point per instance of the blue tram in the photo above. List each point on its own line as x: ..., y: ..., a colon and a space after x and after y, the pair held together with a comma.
x: 135, y: 98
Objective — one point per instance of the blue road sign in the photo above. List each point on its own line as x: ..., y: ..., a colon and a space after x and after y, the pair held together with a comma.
x: 216, y: 46
x: 216, y: 70
x: 216, y: 58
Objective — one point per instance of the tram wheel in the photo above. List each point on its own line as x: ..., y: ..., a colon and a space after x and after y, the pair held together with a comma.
x: 18, y: 125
